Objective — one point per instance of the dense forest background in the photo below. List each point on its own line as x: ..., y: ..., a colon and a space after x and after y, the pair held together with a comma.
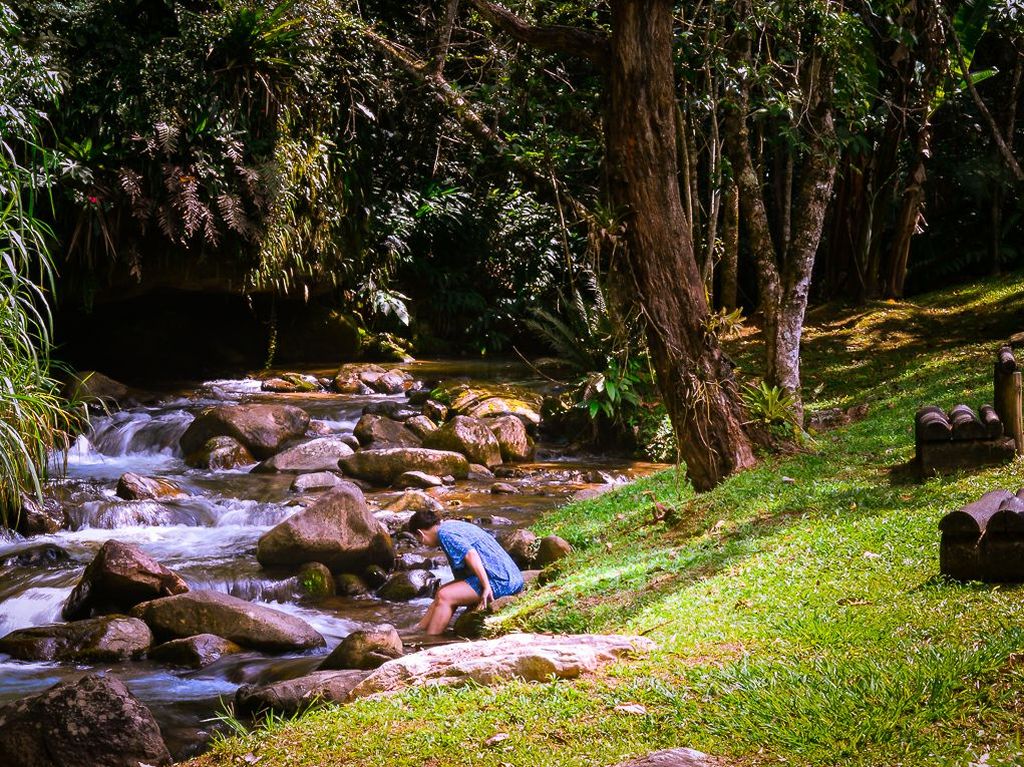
x: 191, y: 185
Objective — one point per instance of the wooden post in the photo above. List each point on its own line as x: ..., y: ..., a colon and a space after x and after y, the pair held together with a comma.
x: 1007, y: 397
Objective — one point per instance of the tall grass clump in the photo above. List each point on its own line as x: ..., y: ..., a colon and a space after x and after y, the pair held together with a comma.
x: 33, y: 418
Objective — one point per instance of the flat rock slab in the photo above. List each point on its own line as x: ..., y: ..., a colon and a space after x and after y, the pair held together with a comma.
x: 384, y: 466
x: 296, y: 695
x: 245, y: 623
x: 321, y: 454
x: 531, y: 657
x: 97, y: 640
x: 90, y: 722
x: 673, y: 757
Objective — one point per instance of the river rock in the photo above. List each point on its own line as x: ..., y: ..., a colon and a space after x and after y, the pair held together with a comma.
x: 350, y: 585
x: 220, y: 453
x: 384, y: 466
x: 531, y: 657
x: 521, y: 545
x: 338, y: 530
x: 91, y: 387
x: 514, y: 442
x: 93, y: 721
x: 392, y: 382
x: 35, y: 518
x: 296, y: 695
x: 504, y: 488
x: 469, y: 436
x: 43, y: 555
x: 405, y: 585
x: 489, y: 401
x: 551, y: 549
x: 381, y: 431
x: 394, y: 521
x: 320, y: 454
x: 479, y: 473
x: 196, y: 651
x: 263, y: 429
x: 135, y: 487
x: 435, y: 411
x: 415, y: 500
x: 119, y: 577
x: 290, y: 383
x: 396, y: 411
x: 315, y: 580
x: 421, y: 426
x: 673, y: 757
x: 96, y: 640
x: 350, y: 377
x: 318, y: 480
x: 244, y: 623
x: 418, y: 479
x: 365, y: 649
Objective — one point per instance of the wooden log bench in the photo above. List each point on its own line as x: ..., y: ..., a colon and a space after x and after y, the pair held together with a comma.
x: 984, y: 540
x: 966, y: 439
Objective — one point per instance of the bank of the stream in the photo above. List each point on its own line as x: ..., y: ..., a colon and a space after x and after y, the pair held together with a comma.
x: 798, y: 609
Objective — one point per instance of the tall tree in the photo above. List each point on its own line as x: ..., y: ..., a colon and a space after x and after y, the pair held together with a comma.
x: 660, y: 268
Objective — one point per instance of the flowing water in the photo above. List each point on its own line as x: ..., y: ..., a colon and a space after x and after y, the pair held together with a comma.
x: 210, y: 539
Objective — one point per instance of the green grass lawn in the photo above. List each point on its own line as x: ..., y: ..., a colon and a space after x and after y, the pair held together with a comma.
x: 799, y: 621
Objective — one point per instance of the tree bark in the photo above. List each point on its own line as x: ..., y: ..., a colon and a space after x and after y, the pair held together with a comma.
x: 694, y: 376
x: 730, y: 248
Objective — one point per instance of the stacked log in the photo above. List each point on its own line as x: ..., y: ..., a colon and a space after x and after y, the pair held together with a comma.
x: 984, y: 540
x: 1007, y: 396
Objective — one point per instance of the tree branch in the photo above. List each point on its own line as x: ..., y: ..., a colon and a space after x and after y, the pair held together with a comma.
x: 556, y: 38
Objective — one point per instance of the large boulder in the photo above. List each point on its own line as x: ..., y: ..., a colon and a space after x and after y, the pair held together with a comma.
x: 196, y: 651
x: 296, y: 695
x: 263, y: 429
x: 421, y: 426
x: 469, y: 436
x: 93, y: 721
x: 318, y: 480
x: 91, y: 387
x: 380, y: 431
x: 352, y: 378
x: 365, y: 649
x: 244, y: 623
x: 489, y: 401
x: 384, y: 466
x: 338, y: 531
x: 96, y: 640
x: 119, y: 577
x: 135, y: 487
x: 321, y: 454
x: 531, y: 657
x: 515, y: 443
x: 220, y: 453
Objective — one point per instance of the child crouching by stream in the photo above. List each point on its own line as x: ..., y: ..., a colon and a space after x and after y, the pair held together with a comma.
x: 483, y: 571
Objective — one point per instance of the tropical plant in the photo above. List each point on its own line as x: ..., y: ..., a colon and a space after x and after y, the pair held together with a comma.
x: 773, y: 408
x: 33, y: 418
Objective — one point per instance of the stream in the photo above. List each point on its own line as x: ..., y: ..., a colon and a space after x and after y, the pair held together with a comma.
x: 210, y: 537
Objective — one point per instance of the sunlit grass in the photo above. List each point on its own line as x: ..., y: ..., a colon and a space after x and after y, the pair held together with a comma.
x: 797, y: 608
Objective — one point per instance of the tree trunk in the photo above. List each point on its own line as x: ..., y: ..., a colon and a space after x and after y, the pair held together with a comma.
x: 694, y: 377
x: 731, y: 248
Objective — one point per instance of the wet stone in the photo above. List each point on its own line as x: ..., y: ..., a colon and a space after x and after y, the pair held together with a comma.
x: 366, y: 649
x: 196, y: 651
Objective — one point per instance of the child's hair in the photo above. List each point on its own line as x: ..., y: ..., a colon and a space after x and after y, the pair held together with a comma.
x: 424, y: 519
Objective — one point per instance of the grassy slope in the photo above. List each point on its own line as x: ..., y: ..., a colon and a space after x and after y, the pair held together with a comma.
x: 798, y: 622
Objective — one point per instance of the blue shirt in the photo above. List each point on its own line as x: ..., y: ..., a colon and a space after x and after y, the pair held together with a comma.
x: 457, y: 539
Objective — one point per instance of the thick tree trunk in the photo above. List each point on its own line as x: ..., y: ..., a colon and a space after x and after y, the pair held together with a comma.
x: 694, y: 377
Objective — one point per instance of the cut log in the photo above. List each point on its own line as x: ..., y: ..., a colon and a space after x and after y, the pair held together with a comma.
x: 970, y: 521
x: 992, y: 422
x: 1005, y: 361
x: 1008, y: 521
x: 1006, y: 400
x: 931, y: 425
x: 966, y: 424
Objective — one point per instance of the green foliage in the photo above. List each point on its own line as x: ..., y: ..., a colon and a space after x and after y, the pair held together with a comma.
x: 33, y: 419
x: 774, y: 408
